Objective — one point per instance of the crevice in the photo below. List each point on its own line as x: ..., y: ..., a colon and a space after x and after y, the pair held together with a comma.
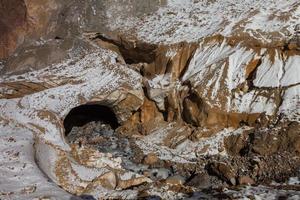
x: 186, y: 67
x: 133, y: 52
x: 252, y: 75
x: 165, y: 112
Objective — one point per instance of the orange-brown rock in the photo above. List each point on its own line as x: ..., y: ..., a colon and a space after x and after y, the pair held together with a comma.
x: 293, y: 137
x: 235, y: 143
x: 224, y: 171
x: 175, y: 180
x: 194, y: 110
x: 127, y: 180
x: 266, y: 144
x: 246, y: 180
x: 132, y: 101
x: 13, y: 23
x: 200, y: 132
x: 150, y: 117
x: 150, y: 159
x: 177, y: 135
x: 171, y: 59
x: 107, y: 180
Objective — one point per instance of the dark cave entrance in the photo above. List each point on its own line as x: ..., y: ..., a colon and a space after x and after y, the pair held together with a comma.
x: 94, y: 126
x: 81, y: 115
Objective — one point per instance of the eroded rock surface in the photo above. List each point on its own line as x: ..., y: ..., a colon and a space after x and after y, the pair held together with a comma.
x: 149, y: 99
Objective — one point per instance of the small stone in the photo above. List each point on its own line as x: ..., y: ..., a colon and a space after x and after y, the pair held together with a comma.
x: 255, y: 160
x: 150, y: 159
x: 108, y: 180
x: 221, y: 149
x: 162, y: 173
x: 129, y: 179
x: 175, y: 180
x: 246, y: 180
x: 146, y: 173
x: 28, y: 190
x: 232, y: 181
x: 200, y: 181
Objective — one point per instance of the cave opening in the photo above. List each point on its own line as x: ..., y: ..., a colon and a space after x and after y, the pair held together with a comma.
x: 84, y: 114
x: 94, y: 126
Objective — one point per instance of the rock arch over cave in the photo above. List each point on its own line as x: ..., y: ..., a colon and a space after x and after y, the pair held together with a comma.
x: 81, y: 115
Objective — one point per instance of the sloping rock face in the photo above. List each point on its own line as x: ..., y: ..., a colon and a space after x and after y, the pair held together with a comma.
x: 38, y: 103
x: 200, y: 91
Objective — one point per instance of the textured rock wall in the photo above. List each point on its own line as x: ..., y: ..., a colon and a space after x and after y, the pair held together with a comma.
x: 13, y: 24
x: 197, y: 94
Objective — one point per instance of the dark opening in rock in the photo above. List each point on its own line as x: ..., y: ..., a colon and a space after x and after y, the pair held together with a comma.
x: 133, y: 53
x: 84, y: 114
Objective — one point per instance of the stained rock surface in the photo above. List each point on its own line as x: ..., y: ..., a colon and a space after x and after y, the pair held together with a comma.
x: 171, y: 99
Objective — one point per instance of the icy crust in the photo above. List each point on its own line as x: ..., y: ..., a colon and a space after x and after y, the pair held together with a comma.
x: 222, y: 75
x: 82, y: 70
x: 190, y: 20
x: 32, y: 142
x: 291, y: 103
x: 269, y: 73
x: 21, y: 178
x: 280, y: 72
x: 219, y: 72
x: 187, y: 151
x: 263, y: 192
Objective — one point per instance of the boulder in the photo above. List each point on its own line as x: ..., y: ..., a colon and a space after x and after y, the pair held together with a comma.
x: 223, y: 171
x: 235, y: 143
x: 107, y: 180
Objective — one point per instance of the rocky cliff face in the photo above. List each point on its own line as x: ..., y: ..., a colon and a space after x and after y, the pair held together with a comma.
x: 141, y: 99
